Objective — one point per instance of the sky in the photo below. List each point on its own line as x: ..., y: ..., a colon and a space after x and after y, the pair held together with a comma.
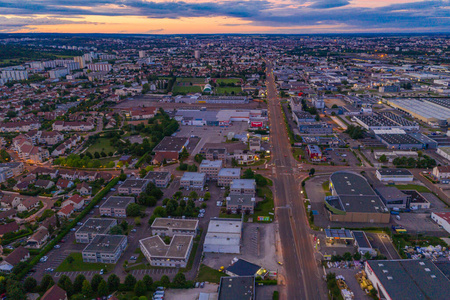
x: 224, y: 16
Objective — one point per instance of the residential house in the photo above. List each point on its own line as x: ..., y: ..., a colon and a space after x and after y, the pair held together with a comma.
x: 44, y: 184
x: 28, y: 204
x: 66, y: 211
x: 84, y: 189
x: 55, y: 293
x: 20, y: 254
x: 64, y: 183
x: 76, y: 200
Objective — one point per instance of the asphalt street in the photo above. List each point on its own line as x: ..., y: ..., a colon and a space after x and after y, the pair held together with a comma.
x: 303, y: 279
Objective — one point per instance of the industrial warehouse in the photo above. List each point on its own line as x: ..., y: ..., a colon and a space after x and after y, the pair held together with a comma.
x: 426, y: 111
x: 354, y: 200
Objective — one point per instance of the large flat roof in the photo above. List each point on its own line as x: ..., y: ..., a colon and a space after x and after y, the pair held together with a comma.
x: 243, y: 268
x: 152, y: 175
x: 175, y: 223
x: 217, y: 225
x: 350, y: 184
x: 425, y: 109
x: 131, y: 183
x: 178, y: 247
x: 211, y: 163
x: 361, y: 239
x: 193, y: 176
x: 105, y: 243
x: 171, y: 143
x: 97, y: 225
x: 243, y: 184
x: 237, y: 288
x: 117, y: 202
x: 394, y: 172
x: 230, y: 172
x: 411, y: 279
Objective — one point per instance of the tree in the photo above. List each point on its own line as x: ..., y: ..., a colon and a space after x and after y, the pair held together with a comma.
x: 312, y: 171
x: 95, y: 281
x: 130, y: 281
x: 347, y: 256
x: 184, y: 154
x: 78, y: 282
x: 133, y: 210
x: 14, y: 290
x: 179, y: 280
x: 148, y: 281
x: 29, y: 284
x: 116, y: 230
x: 137, y: 221
x: 46, y: 283
x: 207, y: 196
x: 140, y: 289
x: 113, y: 283
x: 70, y: 259
x: 383, y: 158
x: 165, y: 281
x: 122, y: 176
x: 367, y: 256
x: 357, y: 256
x: 248, y: 174
x: 193, y: 195
x: 11, y: 114
x: 97, y: 155
x: 86, y: 290
x: 66, y: 284
x: 102, y: 289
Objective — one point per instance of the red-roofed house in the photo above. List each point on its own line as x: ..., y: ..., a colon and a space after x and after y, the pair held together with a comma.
x: 76, y: 200
x: 18, y: 255
x: 55, y: 293
x: 8, y: 227
x: 66, y: 211
x: 64, y: 183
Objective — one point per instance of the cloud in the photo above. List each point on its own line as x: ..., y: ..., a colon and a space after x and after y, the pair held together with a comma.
x: 324, y: 4
x: 14, y: 24
x: 422, y: 15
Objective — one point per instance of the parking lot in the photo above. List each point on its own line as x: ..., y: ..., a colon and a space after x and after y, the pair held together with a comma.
x: 341, y: 157
x: 420, y: 223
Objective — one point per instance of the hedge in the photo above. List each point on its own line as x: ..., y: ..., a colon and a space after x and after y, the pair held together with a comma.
x: 66, y: 230
x: 6, y: 242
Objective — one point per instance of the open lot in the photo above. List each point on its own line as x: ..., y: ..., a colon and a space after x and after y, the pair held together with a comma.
x: 102, y: 144
x: 341, y: 156
x: 258, y: 247
x: 211, y: 134
x: 383, y: 243
x: 417, y: 223
x: 228, y: 90
x: 349, y: 275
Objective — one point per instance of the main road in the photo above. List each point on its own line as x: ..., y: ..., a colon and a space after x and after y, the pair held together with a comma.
x: 302, y: 276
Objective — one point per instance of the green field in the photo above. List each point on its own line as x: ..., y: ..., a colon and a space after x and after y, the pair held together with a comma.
x: 79, y: 265
x: 187, y: 89
x: 191, y: 79
x: 102, y: 144
x: 415, y: 187
x: 209, y: 274
x: 228, y: 80
x: 228, y: 90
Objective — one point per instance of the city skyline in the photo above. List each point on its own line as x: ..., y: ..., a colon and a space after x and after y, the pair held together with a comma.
x: 228, y: 16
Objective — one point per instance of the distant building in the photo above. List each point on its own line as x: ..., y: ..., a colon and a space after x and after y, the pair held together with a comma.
x: 354, y: 200
x: 392, y: 197
x: 169, y: 148
x: 362, y: 243
x: 227, y: 175
x: 105, y: 248
x: 243, y: 187
x: 133, y: 186
x: 237, y: 288
x: 441, y: 172
x: 411, y: 279
x: 216, y: 154
x: 395, y: 175
x: 175, y: 255
x: 171, y: 227
x: 241, y: 203
x: 93, y: 226
x: 223, y: 236
x: 55, y: 293
x: 116, y: 206
x: 443, y: 219
x: 159, y: 179
x: 211, y: 168
x: 193, y: 180
x: 314, y: 153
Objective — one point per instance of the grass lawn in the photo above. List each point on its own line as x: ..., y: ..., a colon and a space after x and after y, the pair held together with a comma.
x: 209, y: 274
x: 79, y: 265
x: 326, y: 188
x: 228, y: 80
x: 191, y: 79
x: 186, y: 89
x: 102, y: 144
x: 263, y: 208
x: 228, y: 90
x: 415, y: 187
x: 297, y: 152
